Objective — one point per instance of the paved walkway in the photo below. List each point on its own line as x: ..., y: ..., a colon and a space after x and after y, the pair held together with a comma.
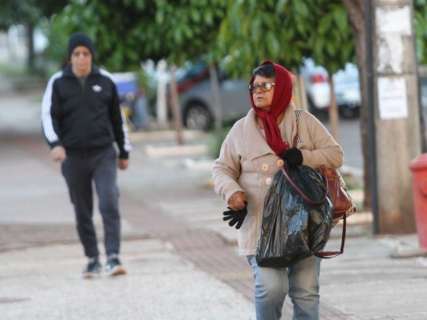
x: 44, y: 283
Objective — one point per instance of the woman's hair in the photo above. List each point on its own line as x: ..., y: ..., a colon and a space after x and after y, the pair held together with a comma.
x: 264, y: 70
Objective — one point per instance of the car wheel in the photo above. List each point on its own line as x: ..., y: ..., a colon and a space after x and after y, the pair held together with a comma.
x: 198, y: 117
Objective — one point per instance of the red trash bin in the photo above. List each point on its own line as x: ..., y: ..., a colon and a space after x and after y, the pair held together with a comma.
x: 419, y: 185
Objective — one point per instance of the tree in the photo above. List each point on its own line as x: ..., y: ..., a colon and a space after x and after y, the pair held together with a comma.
x: 288, y: 31
x: 255, y: 30
x: 420, y: 9
x: 356, y: 13
x: 332, y: 46
x: 250, y: 32
x: 128, y: 32
x: 131, y: 31
x: 28, y: 13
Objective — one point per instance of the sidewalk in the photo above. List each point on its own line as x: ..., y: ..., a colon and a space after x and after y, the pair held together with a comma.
x: 181, y: 257
x: 44, y: 283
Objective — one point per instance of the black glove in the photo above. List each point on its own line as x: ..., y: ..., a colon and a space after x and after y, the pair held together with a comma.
x: 235, y: 216
x: 292, y: 157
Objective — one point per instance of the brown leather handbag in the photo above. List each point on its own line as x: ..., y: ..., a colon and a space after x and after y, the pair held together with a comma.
x: 341, y: 200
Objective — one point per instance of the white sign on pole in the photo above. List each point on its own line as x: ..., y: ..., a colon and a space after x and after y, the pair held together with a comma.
x: 390, y: 53
x: 392, y: 97
x: 394, y: 20
x: 392, y: 24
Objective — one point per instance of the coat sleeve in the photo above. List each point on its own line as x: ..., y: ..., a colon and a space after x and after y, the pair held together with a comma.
x: 326, y: 151
x: 51, y: 113
x: 227, y: 168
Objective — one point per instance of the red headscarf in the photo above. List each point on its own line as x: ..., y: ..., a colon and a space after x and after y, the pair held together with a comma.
x: 281, y: 99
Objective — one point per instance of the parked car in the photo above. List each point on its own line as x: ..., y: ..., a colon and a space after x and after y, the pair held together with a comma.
x: 316, y: 85
x: 191, y: 74
x: 347, y: 89
x: 197, y: 101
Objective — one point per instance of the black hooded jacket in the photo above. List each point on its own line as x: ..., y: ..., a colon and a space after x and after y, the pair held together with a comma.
x: 82, y: 118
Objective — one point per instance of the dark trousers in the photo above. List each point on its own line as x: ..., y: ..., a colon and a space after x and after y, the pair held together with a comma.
x: 81, y: 170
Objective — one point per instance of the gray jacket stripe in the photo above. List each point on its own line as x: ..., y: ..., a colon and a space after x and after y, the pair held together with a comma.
x: 46, y: 117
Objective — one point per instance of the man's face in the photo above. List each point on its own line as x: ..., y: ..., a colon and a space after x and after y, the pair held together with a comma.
x: 263, y: 92
x: 81, y: 61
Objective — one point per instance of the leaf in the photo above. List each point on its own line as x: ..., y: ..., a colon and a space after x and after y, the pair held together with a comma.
x: 340, y: 17
x: 195, y: 14
x: 301, y: 9
x: 273, y: 46
x: 325, y: 24
x: 280, y: 5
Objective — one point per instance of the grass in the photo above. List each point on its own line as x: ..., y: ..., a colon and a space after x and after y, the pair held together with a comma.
x: 20, y: 78
x: 215, y: 141
x: 10, y: 70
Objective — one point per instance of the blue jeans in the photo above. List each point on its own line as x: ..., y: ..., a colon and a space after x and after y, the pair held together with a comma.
x: 300, y: 281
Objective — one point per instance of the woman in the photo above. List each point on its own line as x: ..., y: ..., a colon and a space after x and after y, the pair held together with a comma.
x: 253, y: 151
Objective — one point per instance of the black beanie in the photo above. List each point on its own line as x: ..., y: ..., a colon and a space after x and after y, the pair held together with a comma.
x: 80, y: 39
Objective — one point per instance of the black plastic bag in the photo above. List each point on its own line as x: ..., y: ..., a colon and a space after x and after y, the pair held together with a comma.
x: 292, y: 229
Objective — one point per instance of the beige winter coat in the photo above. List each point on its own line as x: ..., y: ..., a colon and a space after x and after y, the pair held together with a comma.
x: 247, y: 163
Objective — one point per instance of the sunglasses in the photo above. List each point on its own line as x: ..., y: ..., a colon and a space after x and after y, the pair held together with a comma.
x: 263, y: 86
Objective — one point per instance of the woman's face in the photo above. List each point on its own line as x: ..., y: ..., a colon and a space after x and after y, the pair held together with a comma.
x: 262, y: 92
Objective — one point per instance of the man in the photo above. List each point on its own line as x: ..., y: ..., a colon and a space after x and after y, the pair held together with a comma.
x: 81, y: 119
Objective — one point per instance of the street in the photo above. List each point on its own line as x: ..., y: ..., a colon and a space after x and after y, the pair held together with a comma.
x: 180, y: 255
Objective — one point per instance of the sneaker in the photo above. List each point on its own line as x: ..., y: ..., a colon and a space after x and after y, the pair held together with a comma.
x: 92, y: 269
x: 114, y: 267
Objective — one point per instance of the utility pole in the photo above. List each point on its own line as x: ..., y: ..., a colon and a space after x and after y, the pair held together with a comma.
x: 396, y: 118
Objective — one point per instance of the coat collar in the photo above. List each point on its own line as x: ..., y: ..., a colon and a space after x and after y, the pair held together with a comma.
x: 256, y: 145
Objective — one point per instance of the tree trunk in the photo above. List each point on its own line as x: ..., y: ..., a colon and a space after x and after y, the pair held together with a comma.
x: 216, y: 96
x: 299, y: 95
x: 175, y: 107
x: 333, y: 110
x: 161, y: 104
x: 303, y: 92
x: 355, y: 10
x: 30, y: 46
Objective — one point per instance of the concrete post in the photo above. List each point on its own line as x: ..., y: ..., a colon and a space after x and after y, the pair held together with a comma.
x: 397, y: 123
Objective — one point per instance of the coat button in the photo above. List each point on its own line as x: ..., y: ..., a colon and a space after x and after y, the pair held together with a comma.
x: 268, y: 181
x: 280, y: 163
x: 264, y: 167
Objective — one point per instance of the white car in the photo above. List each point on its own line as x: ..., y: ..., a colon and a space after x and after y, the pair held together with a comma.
x: 347, y: 89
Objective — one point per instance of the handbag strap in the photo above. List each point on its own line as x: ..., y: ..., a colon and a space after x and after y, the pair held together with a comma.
x: 322, y: 254
x: 333, y: 254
